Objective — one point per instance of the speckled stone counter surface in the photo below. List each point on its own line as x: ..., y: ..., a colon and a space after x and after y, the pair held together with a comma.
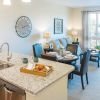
x: 32, y: 83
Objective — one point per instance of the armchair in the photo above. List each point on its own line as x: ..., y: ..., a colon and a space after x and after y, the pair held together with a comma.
x: 95, y: 56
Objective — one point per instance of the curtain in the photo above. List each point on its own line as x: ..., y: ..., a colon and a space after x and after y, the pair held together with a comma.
x: 85, y: 35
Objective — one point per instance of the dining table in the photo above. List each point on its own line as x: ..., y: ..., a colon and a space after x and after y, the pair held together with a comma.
x: 67, y: 57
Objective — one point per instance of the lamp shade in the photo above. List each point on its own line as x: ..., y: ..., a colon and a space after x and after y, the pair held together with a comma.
x: 26, y: 1
x: 46, y: 35
x: 74, y: 33
x: 7, y: 2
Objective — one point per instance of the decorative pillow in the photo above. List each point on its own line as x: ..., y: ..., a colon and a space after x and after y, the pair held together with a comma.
x: 63, y: 42
x: 58, y: 44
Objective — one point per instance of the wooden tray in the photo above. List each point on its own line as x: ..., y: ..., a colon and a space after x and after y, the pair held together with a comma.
x: 34, y: 72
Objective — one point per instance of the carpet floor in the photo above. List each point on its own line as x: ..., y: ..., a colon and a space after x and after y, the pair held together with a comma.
x: 92, y: 90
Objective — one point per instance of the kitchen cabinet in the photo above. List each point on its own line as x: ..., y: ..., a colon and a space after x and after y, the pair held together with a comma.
x: 10, y: 92
x: 55, y: 91
x: 2, y: 94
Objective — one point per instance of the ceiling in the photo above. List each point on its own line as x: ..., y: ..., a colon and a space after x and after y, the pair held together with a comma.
x: 77, y: 3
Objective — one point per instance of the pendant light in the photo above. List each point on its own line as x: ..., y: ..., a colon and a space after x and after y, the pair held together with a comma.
x: 26, y: 1
x: 7, y: 2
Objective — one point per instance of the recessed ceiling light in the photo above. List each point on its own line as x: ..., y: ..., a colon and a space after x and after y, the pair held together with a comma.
x: 7, y: 2
x: 26, y: 1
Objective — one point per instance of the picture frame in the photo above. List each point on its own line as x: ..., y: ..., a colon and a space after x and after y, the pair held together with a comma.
x: 58, y: 26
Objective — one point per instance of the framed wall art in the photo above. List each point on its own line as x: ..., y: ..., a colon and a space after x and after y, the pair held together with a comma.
x: 58, y: 26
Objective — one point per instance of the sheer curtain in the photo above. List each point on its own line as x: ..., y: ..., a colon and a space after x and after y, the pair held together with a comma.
x: 94, y: 28
x: 85, y: 35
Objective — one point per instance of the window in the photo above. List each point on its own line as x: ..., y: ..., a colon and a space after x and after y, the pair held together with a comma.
x: 94, y: 29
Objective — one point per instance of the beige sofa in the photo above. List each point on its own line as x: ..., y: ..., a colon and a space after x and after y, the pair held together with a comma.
x: 57, y: 43
x: 60, y: 42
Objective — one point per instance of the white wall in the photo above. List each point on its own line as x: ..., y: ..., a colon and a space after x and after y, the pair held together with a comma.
x: 76, y: 22
x: 42, y: 15
x: 76, y: 18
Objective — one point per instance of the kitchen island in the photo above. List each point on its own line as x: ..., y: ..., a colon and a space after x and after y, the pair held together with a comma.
x: 54, y: 86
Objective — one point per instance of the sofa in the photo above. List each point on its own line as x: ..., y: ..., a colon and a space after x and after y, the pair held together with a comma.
x: 57, y: 43
x: 62, y: 42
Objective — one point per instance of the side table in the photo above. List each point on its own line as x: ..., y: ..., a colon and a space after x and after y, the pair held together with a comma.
x: 75, y: 43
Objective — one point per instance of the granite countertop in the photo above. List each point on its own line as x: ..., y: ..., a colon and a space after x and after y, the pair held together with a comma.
x: 32, y: 83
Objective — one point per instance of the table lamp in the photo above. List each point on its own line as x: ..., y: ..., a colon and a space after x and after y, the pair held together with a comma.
x: 75, y: 35
x: 46, y: 36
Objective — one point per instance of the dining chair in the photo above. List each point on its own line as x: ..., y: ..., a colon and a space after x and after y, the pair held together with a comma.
x: 73, y: 48
x: 83, y: 69
x: 37, y: 50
